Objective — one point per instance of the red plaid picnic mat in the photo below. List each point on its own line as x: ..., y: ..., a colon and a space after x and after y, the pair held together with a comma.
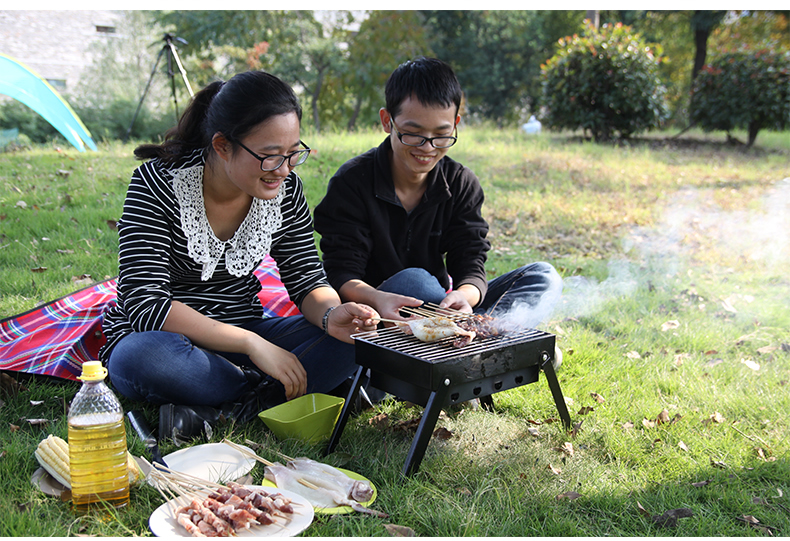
x: 56, y: 338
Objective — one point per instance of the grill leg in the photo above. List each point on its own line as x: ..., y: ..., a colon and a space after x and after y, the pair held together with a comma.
x: 556, y: 392
x: 345, y: 412
x: 433, y: 407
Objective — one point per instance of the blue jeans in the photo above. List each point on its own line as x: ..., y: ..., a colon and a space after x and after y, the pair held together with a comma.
x: 524, y: 297
x: 163, y: 367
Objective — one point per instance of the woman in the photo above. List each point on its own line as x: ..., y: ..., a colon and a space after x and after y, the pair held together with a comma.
x: 218, y: 195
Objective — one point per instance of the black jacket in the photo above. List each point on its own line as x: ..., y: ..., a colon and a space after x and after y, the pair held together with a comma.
x: 366, y: 233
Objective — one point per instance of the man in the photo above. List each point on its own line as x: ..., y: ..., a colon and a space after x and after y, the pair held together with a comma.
x: 401, y: 224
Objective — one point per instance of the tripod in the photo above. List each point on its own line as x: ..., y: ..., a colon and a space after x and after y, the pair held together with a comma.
x: 172, y: 56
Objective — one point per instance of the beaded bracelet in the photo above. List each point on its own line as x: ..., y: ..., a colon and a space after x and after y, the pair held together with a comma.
x: 325, y: 321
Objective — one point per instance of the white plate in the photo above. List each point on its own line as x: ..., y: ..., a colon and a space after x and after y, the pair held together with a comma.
x: 163, y: 522
x: 213, y: 462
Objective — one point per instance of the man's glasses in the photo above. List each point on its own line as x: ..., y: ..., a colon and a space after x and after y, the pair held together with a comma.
x: 413, y: 140
x: 272, y: 162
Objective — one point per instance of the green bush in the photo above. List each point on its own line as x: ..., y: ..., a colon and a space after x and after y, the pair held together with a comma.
x: 605, y: 81
x: 747, y: 89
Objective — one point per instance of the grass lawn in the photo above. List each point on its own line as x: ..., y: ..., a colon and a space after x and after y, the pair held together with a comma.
x: 674, y: 325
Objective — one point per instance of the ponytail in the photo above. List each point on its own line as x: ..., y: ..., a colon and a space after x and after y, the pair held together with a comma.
x: 187, y: 135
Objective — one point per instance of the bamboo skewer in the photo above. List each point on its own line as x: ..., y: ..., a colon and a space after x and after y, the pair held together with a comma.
x: 247, y: 453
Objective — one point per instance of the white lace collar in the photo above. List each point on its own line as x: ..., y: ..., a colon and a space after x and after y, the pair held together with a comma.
x: 249, y: 244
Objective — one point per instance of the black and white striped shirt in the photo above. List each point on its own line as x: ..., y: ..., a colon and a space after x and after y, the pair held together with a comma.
x: 155, y: 267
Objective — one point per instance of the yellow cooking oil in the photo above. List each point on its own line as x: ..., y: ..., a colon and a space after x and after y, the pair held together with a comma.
x: 97, y: 452
x: 97, y: 444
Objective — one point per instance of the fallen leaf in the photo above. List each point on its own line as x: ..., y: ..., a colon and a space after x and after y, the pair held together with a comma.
x: 465, y: 491
x: 699, y: 484
x: 555, y: 471
x: 647, y: 423
x: 571, y: 495
x: 442, y: 433
x: 379, y: 421
x: 112, y: 224
x: 680, y: 357
x: 585, y: 410
x: 9, y: 385
x: 409, y: 425
x: 13, y: 428
x: 21, y: 204
x: 642, y: 509
x: 37, y: 422
x: 533, y: 431
x: 750, y: 364
x: 750, y: 519
x: 576, y: 429
x: 715, y: 418
x: 39, y: 269
x: 627, y: 425
x: 718, y: 464
x: 683, y: 446
x: 670, y: 518
x: 534, y: 422
x: 598, y: 398
x: 566, y: 448
x: 396, y: 530
x: 672, y: 324
x: 714, y: 362
x: 767, y: 349
x: 663, y: 417
x: 633, y: 355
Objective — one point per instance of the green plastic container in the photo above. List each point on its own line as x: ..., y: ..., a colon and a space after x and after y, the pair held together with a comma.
x: 309, y: 418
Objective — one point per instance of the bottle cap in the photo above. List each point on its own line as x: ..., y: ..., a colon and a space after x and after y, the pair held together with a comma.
x: 93, y: 371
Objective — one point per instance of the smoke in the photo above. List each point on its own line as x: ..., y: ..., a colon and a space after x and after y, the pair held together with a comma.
x: 694, y: 230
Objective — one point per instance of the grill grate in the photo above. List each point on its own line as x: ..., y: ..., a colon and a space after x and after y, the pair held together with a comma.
x: 443, y: 350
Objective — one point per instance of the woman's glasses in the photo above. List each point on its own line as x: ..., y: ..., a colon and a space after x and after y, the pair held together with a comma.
x: 272, y: 162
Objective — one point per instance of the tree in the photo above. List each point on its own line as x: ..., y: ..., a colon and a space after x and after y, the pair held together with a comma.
x: 605, y: 81
x: 702, y: 24
x: 746, y: 88
x: 384, y: 40
x: 497, y: 55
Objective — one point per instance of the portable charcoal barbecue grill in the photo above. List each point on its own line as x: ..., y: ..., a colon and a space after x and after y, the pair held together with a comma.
x: 437, y: 374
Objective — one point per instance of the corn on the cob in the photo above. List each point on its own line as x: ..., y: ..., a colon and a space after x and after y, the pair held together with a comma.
x: 53, y: 455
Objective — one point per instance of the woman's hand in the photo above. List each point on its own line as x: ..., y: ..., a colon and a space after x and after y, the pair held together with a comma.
x: 350, y: 318
x: 280, y: 364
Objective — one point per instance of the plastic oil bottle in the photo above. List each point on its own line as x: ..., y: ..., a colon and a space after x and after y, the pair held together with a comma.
x: 97, y: 444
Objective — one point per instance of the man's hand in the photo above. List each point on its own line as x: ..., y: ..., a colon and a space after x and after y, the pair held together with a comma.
x: 456, y: 300
x: 390, y: 304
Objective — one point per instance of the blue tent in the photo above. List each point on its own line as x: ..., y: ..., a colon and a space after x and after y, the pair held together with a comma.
x: 24, y: 85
